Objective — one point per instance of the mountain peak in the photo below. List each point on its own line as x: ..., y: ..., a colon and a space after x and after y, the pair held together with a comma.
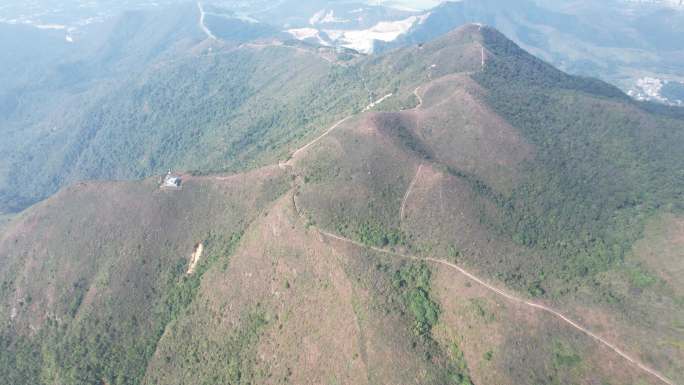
x: 466, y: 32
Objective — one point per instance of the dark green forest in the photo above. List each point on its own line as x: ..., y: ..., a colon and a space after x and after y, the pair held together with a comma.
x: 136, y: 108
x: 604, y: 165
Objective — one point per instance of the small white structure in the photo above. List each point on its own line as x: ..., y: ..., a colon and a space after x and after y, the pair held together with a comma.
x: 171, y: 180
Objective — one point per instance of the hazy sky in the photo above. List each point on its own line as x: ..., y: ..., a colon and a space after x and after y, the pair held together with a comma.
x: 417, y: 4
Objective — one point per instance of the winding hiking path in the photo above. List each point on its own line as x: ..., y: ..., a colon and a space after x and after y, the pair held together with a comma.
x: 408, y: 193
x: 316, y: 140
x: 510, y: 297
x: 328, y: 131
x: 482, y: 53
x: 201, y: 22
x: 466, y: 273
x: 375, y: 103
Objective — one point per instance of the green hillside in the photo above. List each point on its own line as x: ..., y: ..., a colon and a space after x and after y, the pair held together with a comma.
x: 534, y: 178
x: 434, y: 237
x: 149, y: 93
x: 94, y: 308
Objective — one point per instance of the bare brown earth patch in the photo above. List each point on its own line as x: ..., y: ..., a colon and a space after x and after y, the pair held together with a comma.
x: 195, y: 257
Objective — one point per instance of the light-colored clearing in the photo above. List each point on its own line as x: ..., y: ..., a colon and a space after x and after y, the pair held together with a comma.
x: 363, y: 40
x: 375, y: 103
x: 195, y: 258
x: 308, y: 33
x: 420, y: 99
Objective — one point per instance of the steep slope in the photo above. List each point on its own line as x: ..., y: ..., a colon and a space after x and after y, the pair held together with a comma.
x: 150, y: 91
x: 620, y: 43
x: 80, y: 102
x: 584, y: 167
x: 91, y: 277
x: 292, y: 308
x: 485, y: 219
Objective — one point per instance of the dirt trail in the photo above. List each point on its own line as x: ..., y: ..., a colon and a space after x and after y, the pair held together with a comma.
x: 420, y: 99
x: 316, y: 140
x: 201, y: 22
x: 483, y: 58
x: 408, y: 193
x: 463, y: 271
x: 479, y: 28
x: 329, y: 130
x: 512, y: 298
x: 375, y: 103
x: 471, y: 276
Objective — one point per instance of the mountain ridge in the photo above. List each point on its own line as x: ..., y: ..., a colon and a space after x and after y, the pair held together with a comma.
x: 459, y: 146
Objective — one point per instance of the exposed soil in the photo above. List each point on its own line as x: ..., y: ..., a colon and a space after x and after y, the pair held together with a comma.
x: 195, y: 258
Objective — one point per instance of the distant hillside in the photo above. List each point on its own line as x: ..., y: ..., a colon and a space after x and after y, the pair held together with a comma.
x: 664, y: 3
x: 485, y: 219
x: 144, y: 92
x: 616, y: 42
x: 149, y: 92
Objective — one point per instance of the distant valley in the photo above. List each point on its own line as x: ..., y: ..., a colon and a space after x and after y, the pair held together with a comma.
x: 576, y: 36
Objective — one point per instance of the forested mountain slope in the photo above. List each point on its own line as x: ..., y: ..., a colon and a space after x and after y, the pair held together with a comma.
x: 488, y: 219
x: 149, y: 91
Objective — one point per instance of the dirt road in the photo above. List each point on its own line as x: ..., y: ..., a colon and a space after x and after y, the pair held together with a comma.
x: 512, y: 298
x: 316, y: 140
